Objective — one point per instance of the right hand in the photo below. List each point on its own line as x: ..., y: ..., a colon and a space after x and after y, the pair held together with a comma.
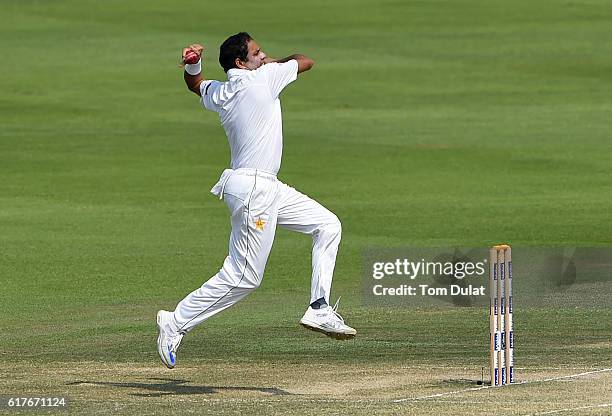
x: 197, y: 48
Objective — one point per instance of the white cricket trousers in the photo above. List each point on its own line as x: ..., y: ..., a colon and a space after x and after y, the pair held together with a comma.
x: 258, y: 202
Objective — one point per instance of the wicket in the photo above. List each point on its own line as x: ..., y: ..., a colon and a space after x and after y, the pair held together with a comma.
x: 500, y: 315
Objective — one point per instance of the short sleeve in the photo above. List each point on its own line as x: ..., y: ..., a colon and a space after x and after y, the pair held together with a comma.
x: 280, y: 75
x: 210, y: 97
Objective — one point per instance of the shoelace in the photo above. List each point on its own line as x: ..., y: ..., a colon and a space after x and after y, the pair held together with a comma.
x: 335, y: 310
x: 176, y: 343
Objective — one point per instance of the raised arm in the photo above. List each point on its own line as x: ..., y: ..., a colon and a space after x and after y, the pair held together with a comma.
x: 193, y: 79
x: 304, y: 62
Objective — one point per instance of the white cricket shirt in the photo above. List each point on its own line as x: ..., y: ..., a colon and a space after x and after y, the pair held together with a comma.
x: 249, y: 108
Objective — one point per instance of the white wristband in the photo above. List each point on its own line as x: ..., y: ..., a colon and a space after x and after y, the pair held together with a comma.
x: 194, y: 69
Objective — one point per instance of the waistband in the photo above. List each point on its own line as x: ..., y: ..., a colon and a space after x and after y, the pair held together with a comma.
x: 253, y: 172
x: 219, y: 187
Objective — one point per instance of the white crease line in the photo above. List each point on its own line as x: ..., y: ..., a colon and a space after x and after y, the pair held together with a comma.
x: 603, y: 370
x: 448, y: 393
x: 552, y: 412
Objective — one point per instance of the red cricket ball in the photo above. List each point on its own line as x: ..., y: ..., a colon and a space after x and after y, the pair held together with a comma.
x: 191, y: 57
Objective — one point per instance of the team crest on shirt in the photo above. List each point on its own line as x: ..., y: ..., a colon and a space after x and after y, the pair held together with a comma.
x: 259, y: 224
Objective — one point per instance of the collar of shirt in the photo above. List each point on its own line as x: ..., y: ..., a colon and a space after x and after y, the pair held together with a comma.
x: 235, y: 72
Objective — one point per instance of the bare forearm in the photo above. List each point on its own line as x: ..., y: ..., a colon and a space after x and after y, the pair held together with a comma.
x: 193, y: 82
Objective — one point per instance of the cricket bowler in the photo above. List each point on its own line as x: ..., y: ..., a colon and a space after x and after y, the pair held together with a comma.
x: 249, y: 108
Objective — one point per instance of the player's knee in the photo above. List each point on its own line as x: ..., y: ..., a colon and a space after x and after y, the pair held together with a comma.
x: 251, y: 279
x: 333, y: 227
x: 337, y: 225
x: 241, y: 277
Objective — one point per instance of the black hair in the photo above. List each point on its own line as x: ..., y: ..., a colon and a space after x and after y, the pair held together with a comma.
x: 236, y: 46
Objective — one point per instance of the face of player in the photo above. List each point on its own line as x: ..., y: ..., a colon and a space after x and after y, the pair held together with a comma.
x: 255, y: 57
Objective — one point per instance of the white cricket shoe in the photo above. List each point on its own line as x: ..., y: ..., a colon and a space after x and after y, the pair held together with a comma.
x: 328, y: 321
x: 167, y: 343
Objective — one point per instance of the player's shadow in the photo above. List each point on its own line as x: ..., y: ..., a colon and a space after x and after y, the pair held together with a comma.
x: 164, y: 386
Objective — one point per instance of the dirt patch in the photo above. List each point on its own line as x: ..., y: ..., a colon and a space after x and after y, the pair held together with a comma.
x: 224, y: 388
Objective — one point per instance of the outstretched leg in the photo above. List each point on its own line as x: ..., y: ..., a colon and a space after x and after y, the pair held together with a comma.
x: 253, y: 205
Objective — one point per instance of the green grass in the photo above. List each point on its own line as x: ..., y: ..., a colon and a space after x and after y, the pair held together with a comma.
x: 422, y: 124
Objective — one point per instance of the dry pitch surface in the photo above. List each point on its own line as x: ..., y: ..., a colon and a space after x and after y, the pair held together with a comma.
x: 258, y: 388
